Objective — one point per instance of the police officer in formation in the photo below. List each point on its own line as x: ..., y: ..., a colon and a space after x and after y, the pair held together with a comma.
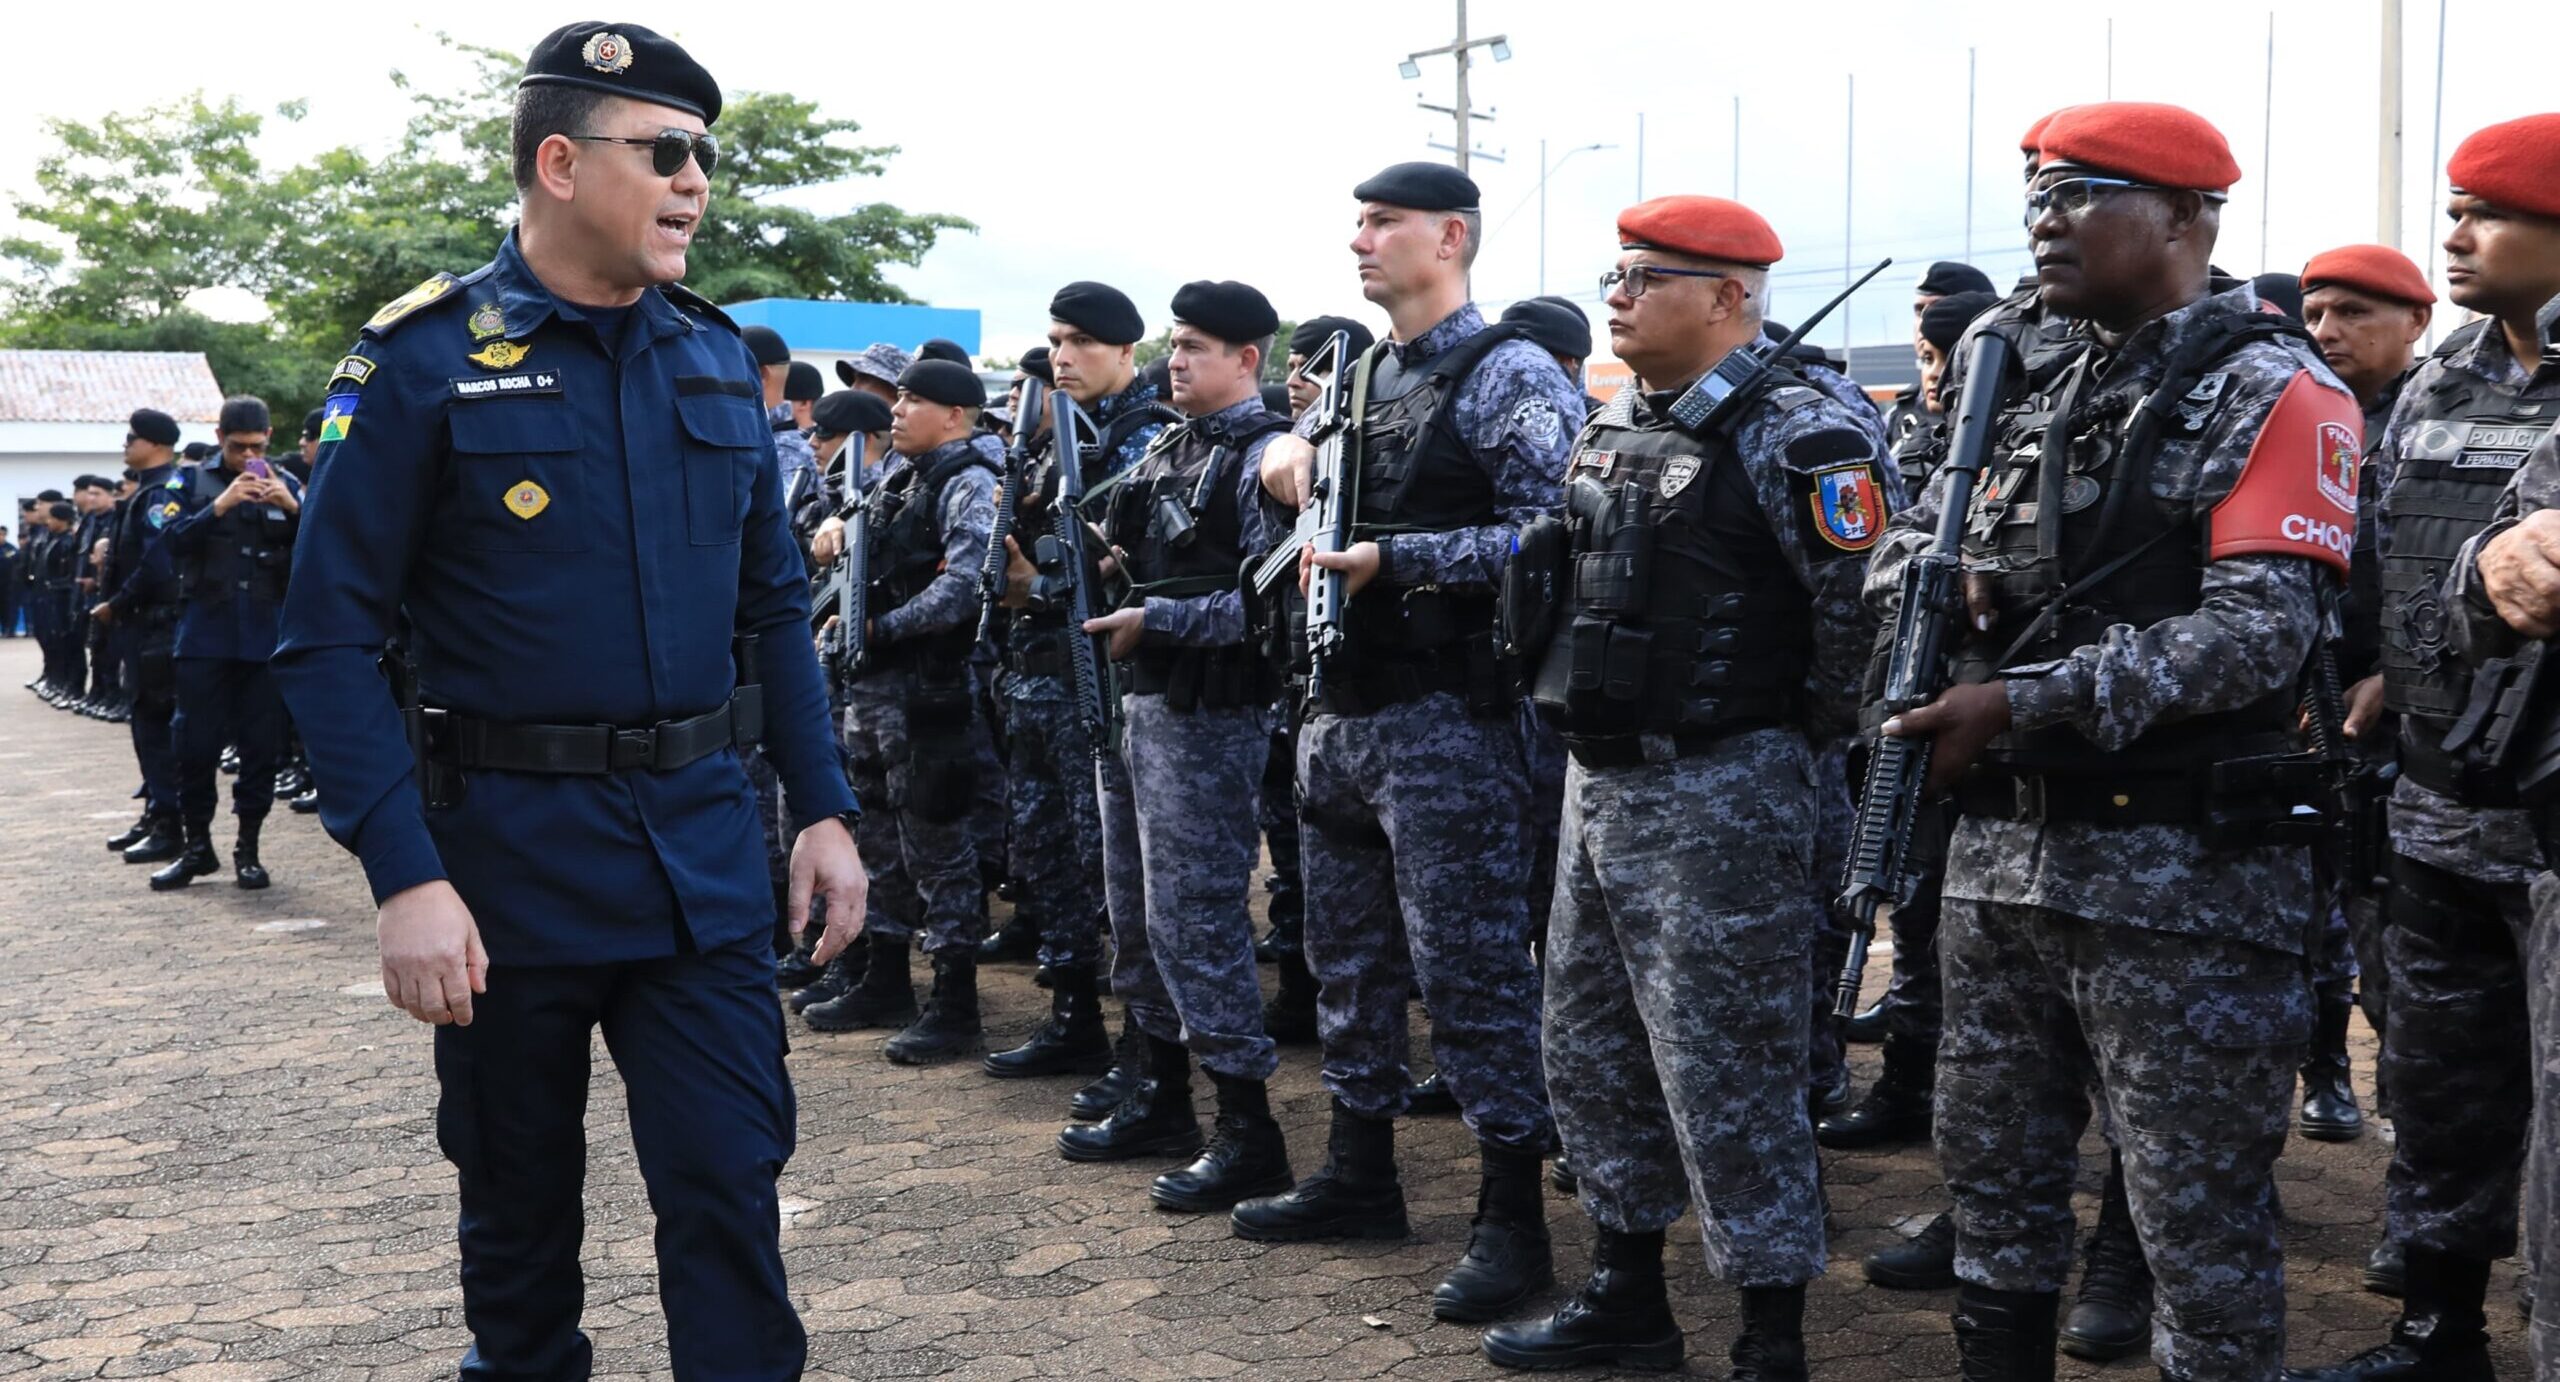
x: 558, y: 468
x: 1410, y: 757
x: 139, y: 604
x: 1180, y: 839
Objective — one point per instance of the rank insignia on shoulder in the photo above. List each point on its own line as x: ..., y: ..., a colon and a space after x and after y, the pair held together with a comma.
x: 337, y: 417
x: 399, y: 308
x: 499, y: 355
x: 355, y: 369
x: 526, y: 499
x: 1848, y: 509
x: 487, y: 321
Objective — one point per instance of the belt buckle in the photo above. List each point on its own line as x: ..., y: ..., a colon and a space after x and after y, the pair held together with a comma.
x: 2030, y: 798
x: 633, y: 748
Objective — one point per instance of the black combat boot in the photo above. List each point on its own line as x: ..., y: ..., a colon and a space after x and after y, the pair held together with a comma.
x: 1287, y: 935
x: 164, y: 841
x: 1072, y: 1042
x: 134, y: 834
x: 1016, y: 942
x: 1867, y: 1027
x: 1246, y: 1156
x: 797, y: 970
x: 1156, y: 1119
x: 1290, y: 1017
x: 1560, y: 1175
x: 1128, y: 1071
x: 197, y: 861
x: 1770, y: 1347
x: 2329, y: 1112
x: 950, y: 1025
x: 1621, y: 1318
x: 836, y: 980
x: 1924, y: 1262
x: 1896, y: 1109
x: 247, y: 873
x: 1355, y: 1194
x: 2386, y: 1271
x: 885, y: 995
x: 1431, y: 1098
x: 2112, y: 1317
x: 2443, y: 1333
x: 1509, y: 1259
x: 2005, y: 1336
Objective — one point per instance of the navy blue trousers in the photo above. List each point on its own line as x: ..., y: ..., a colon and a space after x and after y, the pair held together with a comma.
x: 699, y: 1043
x: 155, y: 707
x: 227, y: 701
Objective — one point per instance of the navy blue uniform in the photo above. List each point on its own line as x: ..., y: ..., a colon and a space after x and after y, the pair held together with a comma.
x: 231, y: 576
x: 144, y: 632
x: 578, y: 510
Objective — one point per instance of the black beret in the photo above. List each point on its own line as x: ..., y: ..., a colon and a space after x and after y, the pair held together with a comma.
x: 940, y: 349
x: 941, y: 381
x: 1557, y: 329
x: 847, y: 411
x: 765, y: 343
x: 54, y: 496
x: 1422, y: 187
x: 197, y: 450
x: 1308, y: 336
x: 1231, y: 311
x: 1275, y: 399
x: 1947, y: 277
x: 624, y: 60
x: 154, y: 426
x: 244, y: 414
x: 1035, y: 362
x: 311, y: 423
x: 1100, y: 311
x: 802, y: 383
x: 1941, y: 322
x: 2280, y: 291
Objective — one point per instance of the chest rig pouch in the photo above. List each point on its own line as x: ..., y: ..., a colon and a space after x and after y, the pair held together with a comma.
x: 1036, y: 642
x: 1174, y: 516
x: 907, y: 524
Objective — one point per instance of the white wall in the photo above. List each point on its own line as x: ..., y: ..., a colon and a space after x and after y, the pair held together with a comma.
x: 50, y: 455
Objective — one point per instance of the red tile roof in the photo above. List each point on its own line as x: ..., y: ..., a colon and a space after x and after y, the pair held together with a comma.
x: 106, y: 385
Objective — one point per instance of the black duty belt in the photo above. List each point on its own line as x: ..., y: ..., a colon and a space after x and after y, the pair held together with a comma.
x: 1036, y: 652
x: 2166, y: 799
x: 463, y: 742
x: 1628, y: 750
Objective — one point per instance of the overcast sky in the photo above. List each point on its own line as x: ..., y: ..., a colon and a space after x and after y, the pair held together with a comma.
x: 1147, y: 142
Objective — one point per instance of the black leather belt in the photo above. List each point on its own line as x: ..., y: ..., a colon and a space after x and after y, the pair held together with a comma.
x: 1628, y: 750
x: 461, y: 741
x: 2036, y: 799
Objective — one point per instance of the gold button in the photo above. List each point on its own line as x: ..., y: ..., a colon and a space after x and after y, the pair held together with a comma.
x: 2123, y: 800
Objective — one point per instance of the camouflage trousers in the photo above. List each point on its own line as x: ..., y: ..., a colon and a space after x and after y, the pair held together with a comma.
x: 923, y: 862
x: 1178, y: 826
x: 2193, y: 1042
x: 1057, y: 831
x: 1542, y: 749
x: 1410, y: 822
x: 2458, y: 1056
x: 1835, y: 820
x: 2542, y: 1177
x: 1675, y: 1001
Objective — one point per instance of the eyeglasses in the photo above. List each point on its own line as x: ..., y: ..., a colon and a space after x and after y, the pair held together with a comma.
x: 2068, y: 197
x: 669, y: 150
x: 1637, y: 276
x: 244, y: 448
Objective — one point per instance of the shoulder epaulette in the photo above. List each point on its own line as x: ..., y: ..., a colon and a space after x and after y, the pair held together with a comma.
x: 408, y: 304
x: 688, y: 300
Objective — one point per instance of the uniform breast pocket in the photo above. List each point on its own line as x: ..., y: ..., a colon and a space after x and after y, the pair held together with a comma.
x: 724, y: 438
x: 519, y: 477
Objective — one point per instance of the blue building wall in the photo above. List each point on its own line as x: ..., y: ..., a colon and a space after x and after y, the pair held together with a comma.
x: 845, y: 327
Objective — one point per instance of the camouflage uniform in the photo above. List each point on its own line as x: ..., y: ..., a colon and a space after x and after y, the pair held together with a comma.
x: 1397, y: 804
x: 910, y: 716
x: 1049, y: 764
x: 1677, y: 1010
x: 1188, y: 777
x: 2129, y: 954
x: 2457, y: 1051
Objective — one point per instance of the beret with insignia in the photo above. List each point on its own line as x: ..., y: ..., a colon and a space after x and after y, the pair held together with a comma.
x: 847, y: 411
x: 765, y: 343
x: 1231, y: 311
x: 1100, y: 311
x: 1556, y: 328
x: 624, y: 60
x: 244, y: 414
x: 154, y: 426
x: 941, y: 381
x: 1035, y: 362
x: 1309, y: 336
x: 1421, y: 187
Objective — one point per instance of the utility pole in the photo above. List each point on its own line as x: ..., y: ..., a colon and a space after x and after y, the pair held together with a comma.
x: 1639, y: 155
x: 2387, y: 202
x: 1737, y: 148
x: 1969, y: 69
x: 1849, y: 213
x: 2267, y: 148
x: 1461, y: 114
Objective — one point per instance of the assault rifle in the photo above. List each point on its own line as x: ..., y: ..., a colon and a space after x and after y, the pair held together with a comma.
x: 1881, y: 864
x: 1326, y: 523
x: 1067, y: 549
x: 1017, y: 467
x: 846, y: 593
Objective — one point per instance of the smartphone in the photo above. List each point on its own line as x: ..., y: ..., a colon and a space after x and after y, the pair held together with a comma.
x: 257, y: 465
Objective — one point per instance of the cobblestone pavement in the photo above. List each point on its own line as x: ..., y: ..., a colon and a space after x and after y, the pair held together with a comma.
x: 217, y: 1161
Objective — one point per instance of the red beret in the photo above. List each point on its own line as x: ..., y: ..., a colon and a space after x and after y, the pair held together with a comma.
x: 1706, y: 227
x: 2515, y: 165
x: 2165, y: 145
x: 2376, y: 270
x: 2033, y: 139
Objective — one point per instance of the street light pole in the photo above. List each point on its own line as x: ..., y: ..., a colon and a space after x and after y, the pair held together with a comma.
x: 1461, y: 115
x: 1547, y: 170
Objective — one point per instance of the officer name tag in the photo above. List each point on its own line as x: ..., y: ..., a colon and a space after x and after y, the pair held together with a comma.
x: 2496, y: 448
x: 508, y: 385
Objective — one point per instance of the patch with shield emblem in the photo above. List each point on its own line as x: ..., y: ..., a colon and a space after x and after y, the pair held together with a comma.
x: 1677, y: 474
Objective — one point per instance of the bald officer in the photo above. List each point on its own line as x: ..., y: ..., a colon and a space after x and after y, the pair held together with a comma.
x: 558, y: 466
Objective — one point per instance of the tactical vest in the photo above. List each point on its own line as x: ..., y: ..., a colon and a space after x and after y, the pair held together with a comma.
x: 2125, y: 557
x: 906, y: 555
x: 246, y: 552
x: 1175, y: 516
x: 1035, y: 644
x: 2460, y: 442
x: 1680, y: 613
